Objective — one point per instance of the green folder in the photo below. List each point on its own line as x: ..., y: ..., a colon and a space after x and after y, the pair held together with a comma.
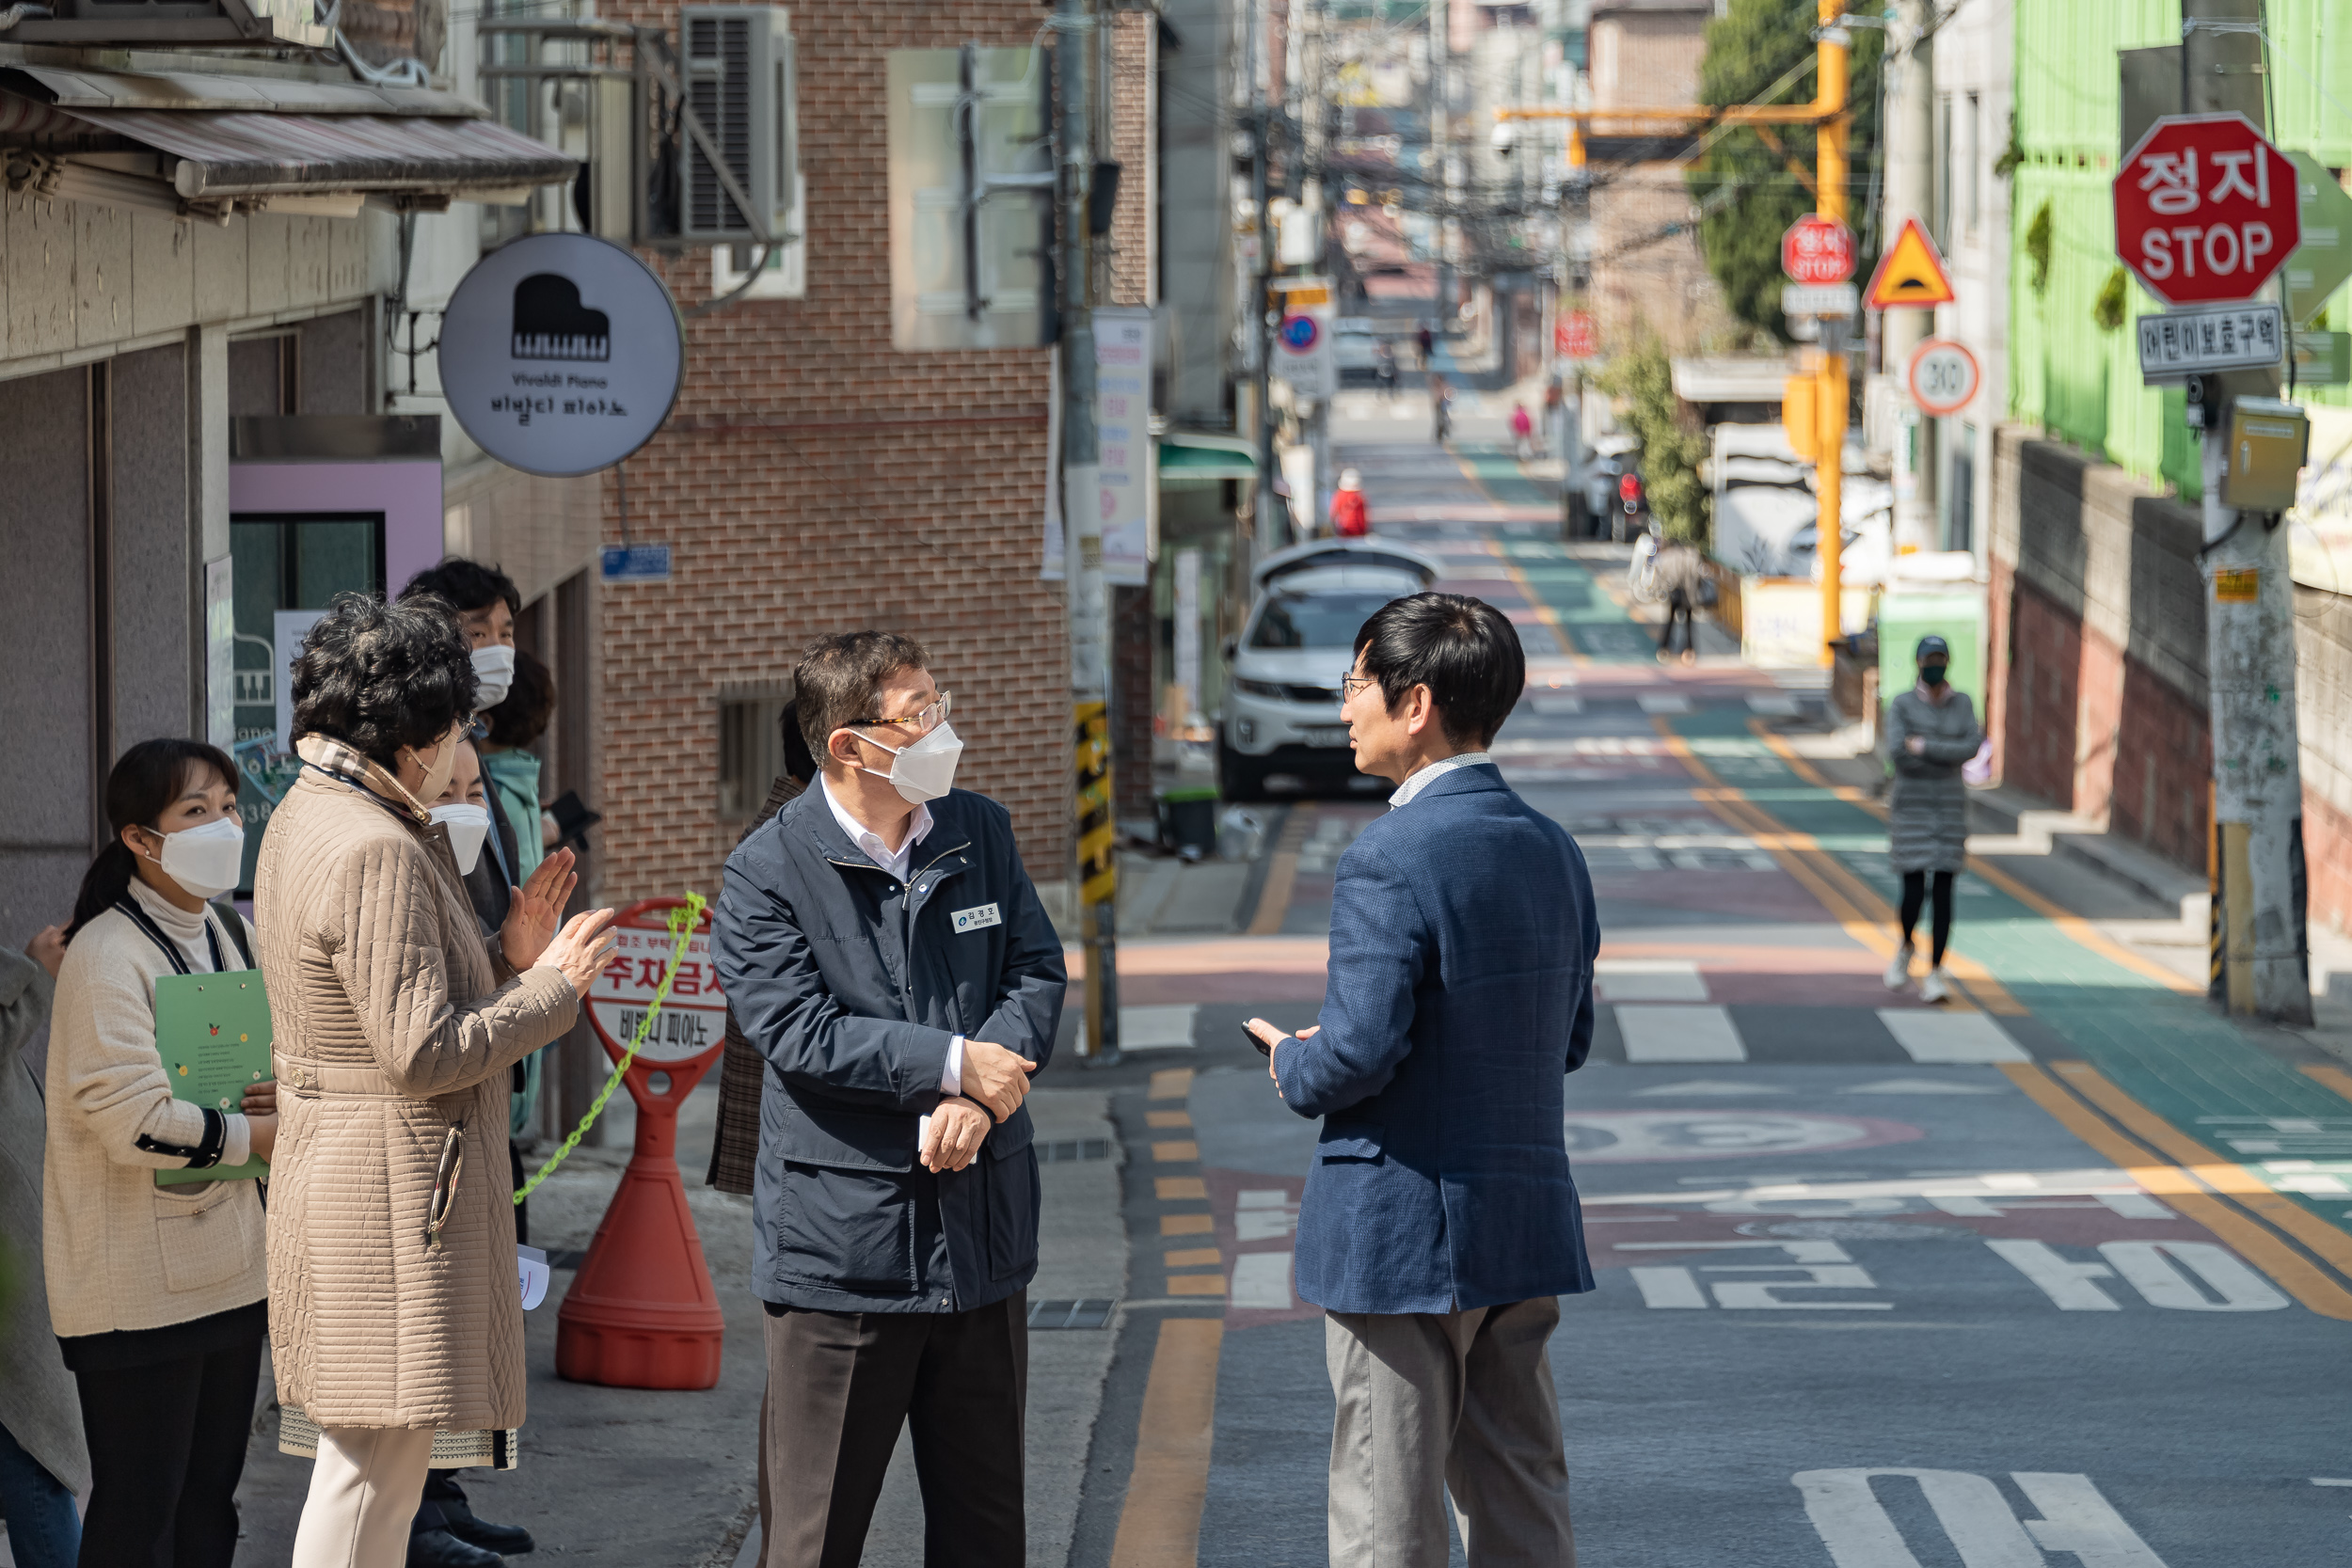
x: 212, y: 1032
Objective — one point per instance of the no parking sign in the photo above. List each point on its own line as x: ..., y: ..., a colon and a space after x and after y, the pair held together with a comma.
x: 1303, y: 354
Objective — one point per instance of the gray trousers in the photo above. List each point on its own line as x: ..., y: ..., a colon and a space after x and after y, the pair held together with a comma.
x: 1437, y: 1403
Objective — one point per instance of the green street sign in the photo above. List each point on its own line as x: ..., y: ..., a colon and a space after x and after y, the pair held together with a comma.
x: 2323, y: 358
x: 2321, y: 263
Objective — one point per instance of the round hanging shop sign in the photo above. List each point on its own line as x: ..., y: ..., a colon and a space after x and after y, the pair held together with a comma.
x: 560, y: 354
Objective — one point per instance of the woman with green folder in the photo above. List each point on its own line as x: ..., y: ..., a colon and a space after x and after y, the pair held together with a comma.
x: 156, y: 1291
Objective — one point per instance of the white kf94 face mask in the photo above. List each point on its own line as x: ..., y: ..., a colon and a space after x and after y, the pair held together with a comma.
x: 468, y: 825
x: 925, y: 770
x: 494, y: 676
x: 205, y: 859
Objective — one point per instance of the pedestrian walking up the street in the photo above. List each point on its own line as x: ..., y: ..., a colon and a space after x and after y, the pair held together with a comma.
x: 882, y: 949
x: 43, y: 1462
x: 391, y: 1230
x: 1440, y: 410
x: 155, y: 1291
x: 1522, y: 433
x: 1676, y: 576
x: 1425, y: 339
x: 1349, y: 519
x: 1384, y: 368
x: 1441, y: 1222
x: 1931, y: 733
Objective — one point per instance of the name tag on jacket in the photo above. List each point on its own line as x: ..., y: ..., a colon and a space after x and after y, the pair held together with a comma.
x: 979, y: 917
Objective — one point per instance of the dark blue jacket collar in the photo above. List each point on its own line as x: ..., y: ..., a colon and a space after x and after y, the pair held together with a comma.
x: 1476, y: 779
x: 809, y: 812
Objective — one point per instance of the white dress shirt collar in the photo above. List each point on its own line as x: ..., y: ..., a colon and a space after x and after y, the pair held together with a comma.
x: 1421, y: 779
x: 897, y: 863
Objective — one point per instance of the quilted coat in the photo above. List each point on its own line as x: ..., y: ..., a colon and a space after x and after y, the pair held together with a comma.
x: 392, y: 1025
x: 1927, y: 807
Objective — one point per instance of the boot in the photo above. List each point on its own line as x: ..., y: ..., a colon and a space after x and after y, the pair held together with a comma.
x: 439, y: 1548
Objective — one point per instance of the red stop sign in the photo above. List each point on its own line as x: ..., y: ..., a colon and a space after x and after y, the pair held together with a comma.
x: 2205, y: 210
x: 1575, y: 337
x: 1817, y: 250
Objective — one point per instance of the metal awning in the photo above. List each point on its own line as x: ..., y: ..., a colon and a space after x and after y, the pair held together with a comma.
x: 1185, y: 454
x: 234, y: 139
x: 265, y: 154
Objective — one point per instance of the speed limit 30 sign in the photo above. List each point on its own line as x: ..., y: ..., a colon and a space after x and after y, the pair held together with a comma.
x: 1944, y: 376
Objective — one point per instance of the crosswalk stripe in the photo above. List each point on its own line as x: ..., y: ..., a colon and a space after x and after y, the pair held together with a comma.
x: 1261, y: 1282
x: 1667, y: 1033
x: 1950, y: 1037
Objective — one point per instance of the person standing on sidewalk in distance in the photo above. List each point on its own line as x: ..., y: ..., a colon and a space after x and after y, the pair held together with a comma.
x: 735, y: 1143
x: 1384, y: 368
x: 1440, y: 1223
x: 1440, y: 409
x: 43, y: 1462
x: 1349, y: 519
x: 1522, y: 433
x: 884, y: 950
x: 391, y: 1242
x: 1931, y: 733
x: 155, y: 1292
x: 1675, y: 574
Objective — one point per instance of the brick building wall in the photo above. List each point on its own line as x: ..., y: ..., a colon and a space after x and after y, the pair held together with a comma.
x: 2097, y: 642
x: 1648, y: 57
x: 813, y: 479
x: 2323, y: 695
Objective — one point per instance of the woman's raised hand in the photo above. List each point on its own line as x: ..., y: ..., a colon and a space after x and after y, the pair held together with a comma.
x: 581, y: 948
x: 537, y: 910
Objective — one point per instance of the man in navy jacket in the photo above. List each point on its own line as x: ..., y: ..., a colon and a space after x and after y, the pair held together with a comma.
x: 885, y: 952
x: 1440, y: 1224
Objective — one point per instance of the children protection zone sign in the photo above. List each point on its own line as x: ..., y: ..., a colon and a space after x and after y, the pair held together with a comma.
x: 560, y: 354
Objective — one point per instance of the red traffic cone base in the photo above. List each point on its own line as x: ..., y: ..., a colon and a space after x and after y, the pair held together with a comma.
x: 643, y: 1313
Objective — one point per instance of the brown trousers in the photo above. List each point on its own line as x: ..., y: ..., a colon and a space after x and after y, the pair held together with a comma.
x: 841, y: 1384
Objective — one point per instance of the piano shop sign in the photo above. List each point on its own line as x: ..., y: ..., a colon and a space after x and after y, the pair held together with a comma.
x: 560, y: 354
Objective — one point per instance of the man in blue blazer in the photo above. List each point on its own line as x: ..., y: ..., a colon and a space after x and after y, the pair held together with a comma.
x: 1440, y: 1224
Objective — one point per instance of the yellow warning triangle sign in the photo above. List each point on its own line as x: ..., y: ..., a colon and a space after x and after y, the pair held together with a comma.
x: 1911, y: 273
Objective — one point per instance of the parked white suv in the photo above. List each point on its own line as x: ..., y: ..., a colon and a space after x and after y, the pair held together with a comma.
x: 1282, y: 704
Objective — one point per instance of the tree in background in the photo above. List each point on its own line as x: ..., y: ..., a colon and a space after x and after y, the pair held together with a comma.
x: 1643, y: 381
x: 1747, y: 183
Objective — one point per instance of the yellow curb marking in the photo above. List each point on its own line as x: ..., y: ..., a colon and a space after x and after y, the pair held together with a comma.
x: 2294, y: 1274
x: 1159, y: 1524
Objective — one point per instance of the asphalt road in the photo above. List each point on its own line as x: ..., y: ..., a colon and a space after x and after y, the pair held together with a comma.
x: 2029, y: 1277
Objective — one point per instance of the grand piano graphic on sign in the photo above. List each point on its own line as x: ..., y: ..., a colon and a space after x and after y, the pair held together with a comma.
x: 551, y: 324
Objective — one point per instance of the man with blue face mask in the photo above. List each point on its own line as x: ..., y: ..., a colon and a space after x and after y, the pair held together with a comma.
x: 885, y: 952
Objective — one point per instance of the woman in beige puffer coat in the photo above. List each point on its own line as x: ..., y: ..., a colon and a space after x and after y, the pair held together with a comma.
x: 394, y: 1305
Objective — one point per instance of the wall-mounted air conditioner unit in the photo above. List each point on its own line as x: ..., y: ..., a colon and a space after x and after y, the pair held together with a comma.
x: 739, y: 78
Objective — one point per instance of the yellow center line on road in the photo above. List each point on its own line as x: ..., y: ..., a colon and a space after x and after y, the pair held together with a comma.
x: 2225, y: 1176
x: 1850, y: 900
x: 2334, y: 1077
x: 2308, y: 1283
x: 2075, y: 925
x: 1159, y: 1523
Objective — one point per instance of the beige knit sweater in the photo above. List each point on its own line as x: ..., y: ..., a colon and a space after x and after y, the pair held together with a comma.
x: 121, y: 1252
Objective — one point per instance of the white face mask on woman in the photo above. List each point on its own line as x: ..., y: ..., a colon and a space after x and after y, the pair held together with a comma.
x: 925, y: 770
x: 494, y: 676
x: 205, y: 859
x: 468, y: 825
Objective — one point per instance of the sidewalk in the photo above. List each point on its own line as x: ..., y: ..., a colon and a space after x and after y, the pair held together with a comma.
x: 631, y: 1477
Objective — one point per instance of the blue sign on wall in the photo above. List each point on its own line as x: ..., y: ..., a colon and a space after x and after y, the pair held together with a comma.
x: 637, y: 563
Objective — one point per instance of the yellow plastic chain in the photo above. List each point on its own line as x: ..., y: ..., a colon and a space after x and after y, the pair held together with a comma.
x: 682, y: 923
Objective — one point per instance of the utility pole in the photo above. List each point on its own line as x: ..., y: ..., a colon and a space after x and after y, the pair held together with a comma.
x: 1829, y: 175
x: 2250, y: 645
x: 1273, y: 517
x: 1910, y: 121
x: 1441, y: 152
x: 1097, y: 836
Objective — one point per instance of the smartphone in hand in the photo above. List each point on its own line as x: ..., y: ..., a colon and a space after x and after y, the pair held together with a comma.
x: 1251, y: 1035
